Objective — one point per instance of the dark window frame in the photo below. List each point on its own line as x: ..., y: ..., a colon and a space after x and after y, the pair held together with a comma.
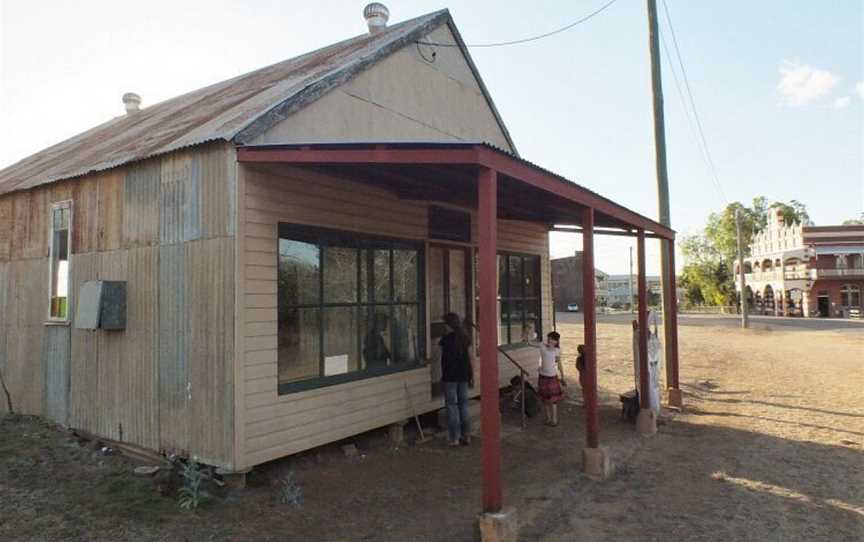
x: 327, y: 237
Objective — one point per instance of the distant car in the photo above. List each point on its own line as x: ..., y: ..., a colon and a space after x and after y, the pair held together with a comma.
x: 572, y: 307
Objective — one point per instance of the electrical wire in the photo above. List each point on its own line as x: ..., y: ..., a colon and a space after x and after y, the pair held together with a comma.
x: 527, y: 40
x: 711, y: 165
x: 690, y: 123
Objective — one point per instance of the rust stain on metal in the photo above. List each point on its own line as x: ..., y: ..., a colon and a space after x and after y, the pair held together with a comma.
x: 217, y: 112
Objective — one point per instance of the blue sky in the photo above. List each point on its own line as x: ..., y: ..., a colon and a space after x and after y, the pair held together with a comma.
x: 578, y: 103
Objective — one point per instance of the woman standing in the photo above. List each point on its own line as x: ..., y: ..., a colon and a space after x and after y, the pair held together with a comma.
x: 457, y: 375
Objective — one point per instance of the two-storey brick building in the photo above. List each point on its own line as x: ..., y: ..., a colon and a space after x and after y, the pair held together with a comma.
x: 813, y: 271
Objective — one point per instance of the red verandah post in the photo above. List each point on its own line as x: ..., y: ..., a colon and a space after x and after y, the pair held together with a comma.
x: 672, y: 347
x: 643, y: 322
x: 487, y: 184
x: 589, y: 321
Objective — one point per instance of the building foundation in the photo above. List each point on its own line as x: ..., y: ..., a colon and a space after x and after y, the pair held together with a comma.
x: 596, y: 463
x: 500, y: 526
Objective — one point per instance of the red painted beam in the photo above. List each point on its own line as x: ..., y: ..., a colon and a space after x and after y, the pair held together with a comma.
x: 506, y: 165
x: 642, y: 286
x: 487, y: 186
x: 672, y: 347
x: 589, y: 323
x: 476, y: 155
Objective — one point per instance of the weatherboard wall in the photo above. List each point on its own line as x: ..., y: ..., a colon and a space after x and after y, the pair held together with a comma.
x: 409, y: 96
x: 271, y: 425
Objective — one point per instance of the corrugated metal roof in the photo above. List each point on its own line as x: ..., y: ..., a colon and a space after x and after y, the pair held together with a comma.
x: 239, y: 108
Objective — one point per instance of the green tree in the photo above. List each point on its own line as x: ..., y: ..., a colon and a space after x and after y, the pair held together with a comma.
x: 854, y: 221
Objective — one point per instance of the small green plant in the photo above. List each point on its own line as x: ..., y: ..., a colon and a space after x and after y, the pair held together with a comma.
x: 191, y: 494
x: 289, y: 491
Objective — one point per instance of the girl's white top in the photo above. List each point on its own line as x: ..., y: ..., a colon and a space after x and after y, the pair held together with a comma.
x: 548, y: 359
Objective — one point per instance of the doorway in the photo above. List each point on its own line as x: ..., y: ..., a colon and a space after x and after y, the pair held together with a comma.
x: 824, y: 305
x: 449, y: 291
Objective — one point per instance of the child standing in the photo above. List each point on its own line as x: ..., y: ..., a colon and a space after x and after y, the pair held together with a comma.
x: 580, y: 365
x: 548, y: 383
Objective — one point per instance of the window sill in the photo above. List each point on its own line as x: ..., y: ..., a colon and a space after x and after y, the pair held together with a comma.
x: 323, y: 382
x: 65, y: 323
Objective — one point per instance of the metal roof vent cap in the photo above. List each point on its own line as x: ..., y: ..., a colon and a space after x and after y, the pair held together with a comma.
x: 376, y: 15
x: 132, y: 102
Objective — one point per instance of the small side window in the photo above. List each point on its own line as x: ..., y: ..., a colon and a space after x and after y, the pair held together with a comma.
x: 61, y: 236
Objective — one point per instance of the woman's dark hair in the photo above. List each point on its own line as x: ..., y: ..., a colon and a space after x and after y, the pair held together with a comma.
x: 555, y: 336
x: 453, y: 322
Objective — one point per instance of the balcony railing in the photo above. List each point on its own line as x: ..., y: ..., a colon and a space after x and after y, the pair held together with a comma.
x: 825, y: 273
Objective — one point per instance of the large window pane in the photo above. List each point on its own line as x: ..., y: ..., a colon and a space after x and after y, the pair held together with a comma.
x: 299, y: 268
x: 502, y: 276
x: 382, y: 275
x: 299, y: 351
x: 436, y: 283
x: 515, y: 267
x: 404, y: 330
x: 376, y: 338
x: 405, y: 267
x: 340, y: 275
x: 341, y: 332
x: 532, y: 277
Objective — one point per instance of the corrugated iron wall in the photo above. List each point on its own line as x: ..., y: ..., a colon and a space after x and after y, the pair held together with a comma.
x: 166, y: 227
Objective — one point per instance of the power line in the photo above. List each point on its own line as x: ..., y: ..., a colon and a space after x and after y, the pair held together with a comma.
x: 526, y: 40
x: 690, y: 123
x: 693, y: 104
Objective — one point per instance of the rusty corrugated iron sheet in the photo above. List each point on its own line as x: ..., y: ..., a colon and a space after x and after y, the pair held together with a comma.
x: 241, y: 107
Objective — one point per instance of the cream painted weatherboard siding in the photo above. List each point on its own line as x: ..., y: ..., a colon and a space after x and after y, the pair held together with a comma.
x: 272, y: 425
x: 404, y: 98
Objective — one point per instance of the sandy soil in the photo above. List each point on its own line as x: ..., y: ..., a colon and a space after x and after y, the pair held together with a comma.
x: 770, y: 447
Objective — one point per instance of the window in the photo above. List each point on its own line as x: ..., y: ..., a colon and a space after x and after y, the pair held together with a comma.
x: 349, y: 306
x: 61, y: 235
x: 518, y: 298
x: 850, y: 296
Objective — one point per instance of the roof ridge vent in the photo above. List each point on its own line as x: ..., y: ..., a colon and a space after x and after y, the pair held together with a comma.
x: 132, y: 102
x: 376, y: 15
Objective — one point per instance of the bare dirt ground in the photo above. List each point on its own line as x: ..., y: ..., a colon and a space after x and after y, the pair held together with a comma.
x: 770, y: 447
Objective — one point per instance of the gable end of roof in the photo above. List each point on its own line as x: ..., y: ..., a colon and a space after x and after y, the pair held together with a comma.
x: 335, y: 79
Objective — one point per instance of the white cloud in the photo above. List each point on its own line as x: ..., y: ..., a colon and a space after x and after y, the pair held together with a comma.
x: 860, y: 88
x: 842, y: 102
x: 800, y: 84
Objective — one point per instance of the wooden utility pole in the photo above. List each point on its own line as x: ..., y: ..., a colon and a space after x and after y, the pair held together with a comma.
x: 745, y: 323
x: 662, y: 177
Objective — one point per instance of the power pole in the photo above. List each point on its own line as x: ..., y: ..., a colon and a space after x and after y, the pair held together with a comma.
x: 745, y: 323
x: 662, y: 177
x: 630, y: 283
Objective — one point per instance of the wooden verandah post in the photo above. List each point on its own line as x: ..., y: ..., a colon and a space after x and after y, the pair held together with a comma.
x: 490, y: 415
x: 673, y: 390
x: 595, y: 461
x: 646, y: 423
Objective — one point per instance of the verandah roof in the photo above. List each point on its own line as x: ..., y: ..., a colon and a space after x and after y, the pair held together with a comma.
x: 448, y: 172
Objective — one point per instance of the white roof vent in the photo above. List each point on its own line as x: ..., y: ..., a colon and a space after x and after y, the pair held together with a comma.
x: 376, y: 15
x: 132, y: 102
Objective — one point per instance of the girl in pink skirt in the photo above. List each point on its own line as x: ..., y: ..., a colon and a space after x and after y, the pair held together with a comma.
x: 548, y: 383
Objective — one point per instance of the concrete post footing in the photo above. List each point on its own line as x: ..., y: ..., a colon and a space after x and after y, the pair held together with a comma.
x: 396, y: 432
x: 646, y: 422
x: 498, y: 526
x: 234, y: 479
x: 674, y: 398
x: 596, y: 463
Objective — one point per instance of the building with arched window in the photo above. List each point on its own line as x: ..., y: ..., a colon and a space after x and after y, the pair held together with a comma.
x: 796, y: 270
